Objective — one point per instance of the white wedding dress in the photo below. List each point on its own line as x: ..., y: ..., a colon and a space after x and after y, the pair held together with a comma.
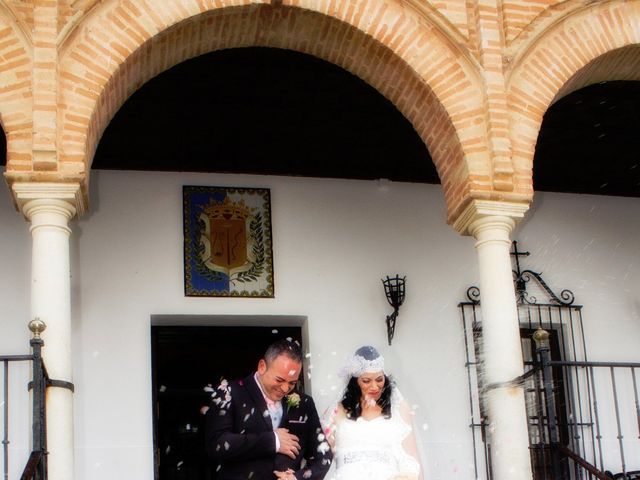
x: 373, y: 449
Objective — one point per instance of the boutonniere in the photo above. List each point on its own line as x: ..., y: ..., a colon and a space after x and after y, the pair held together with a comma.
x: 292, y: 400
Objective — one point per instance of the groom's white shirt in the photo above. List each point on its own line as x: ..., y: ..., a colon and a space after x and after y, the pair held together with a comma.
x: 275, y: 413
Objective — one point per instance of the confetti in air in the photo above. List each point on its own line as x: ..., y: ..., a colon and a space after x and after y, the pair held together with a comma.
x: 323, y: 448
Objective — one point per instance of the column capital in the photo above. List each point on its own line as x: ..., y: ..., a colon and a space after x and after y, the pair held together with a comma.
x: 479, y: 212
x: 65, y: 195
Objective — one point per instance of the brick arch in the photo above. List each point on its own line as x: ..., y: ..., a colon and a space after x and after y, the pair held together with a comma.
x: 559, y: 61
x: 122, y: 45
x: 16, y: 104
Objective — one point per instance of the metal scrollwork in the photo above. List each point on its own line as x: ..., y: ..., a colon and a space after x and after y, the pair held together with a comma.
x: 473, y: 294
x: 566, y: 296
x: 520, y: 280
x: 521, y: 287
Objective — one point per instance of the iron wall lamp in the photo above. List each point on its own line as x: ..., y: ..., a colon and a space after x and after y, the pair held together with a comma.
x: 394, y: 290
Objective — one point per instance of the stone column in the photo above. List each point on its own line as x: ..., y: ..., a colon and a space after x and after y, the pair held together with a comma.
x: 491, y: 224
x: 49, y: 207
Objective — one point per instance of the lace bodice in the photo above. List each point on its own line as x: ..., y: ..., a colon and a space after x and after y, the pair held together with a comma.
x: 372, y: 449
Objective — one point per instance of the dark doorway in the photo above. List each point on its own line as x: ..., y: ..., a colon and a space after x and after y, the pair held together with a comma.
x: 185, y: 360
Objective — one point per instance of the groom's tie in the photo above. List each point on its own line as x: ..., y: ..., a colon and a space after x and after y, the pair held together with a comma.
x: 275, y: 411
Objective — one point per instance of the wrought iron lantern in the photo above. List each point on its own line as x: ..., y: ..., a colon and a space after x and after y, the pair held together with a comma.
x: 394, y: 290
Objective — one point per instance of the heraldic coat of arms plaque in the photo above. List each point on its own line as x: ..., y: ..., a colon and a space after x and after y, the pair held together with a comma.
x: 227, y: 242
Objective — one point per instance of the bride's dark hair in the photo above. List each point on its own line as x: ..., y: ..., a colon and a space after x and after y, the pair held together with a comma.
x: 351, y: 399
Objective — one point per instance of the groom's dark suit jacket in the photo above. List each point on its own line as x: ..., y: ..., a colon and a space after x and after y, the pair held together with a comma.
x: 240, y: 435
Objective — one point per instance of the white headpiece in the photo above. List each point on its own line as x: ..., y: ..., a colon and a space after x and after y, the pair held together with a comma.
x: 365, y: 360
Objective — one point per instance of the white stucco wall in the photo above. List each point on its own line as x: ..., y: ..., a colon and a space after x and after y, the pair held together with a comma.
x: 333, y: 242
x: 15, y: 262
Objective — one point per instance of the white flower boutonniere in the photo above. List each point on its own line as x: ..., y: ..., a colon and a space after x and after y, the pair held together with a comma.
x: 292, y: 400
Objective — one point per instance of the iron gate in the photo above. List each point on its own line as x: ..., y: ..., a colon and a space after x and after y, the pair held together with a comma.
x: 538, y: 307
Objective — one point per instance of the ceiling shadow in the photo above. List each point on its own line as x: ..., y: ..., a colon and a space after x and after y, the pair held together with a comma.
x: 264, y: 111
x: 589, y: 142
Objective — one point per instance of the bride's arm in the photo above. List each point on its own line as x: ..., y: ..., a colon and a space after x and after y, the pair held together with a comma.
x: 409, y: 444
x: 330, y: 424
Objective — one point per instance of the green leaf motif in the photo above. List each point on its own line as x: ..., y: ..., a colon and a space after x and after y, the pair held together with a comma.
x: 258, y: 250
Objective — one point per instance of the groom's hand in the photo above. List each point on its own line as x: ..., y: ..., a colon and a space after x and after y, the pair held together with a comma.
x: 289, y: 444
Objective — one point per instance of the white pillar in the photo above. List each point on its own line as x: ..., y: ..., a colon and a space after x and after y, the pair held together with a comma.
x: 491, y: 224
x: 49, y: 207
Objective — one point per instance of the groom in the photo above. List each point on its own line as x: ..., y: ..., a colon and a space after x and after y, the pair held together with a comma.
x: 258, y: 429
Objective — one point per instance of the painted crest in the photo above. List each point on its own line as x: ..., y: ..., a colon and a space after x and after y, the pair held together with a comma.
x: 225, y: 241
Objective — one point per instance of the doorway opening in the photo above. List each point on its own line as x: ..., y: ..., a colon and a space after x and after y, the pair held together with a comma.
x: 534, y: 395
x: 186, y: 362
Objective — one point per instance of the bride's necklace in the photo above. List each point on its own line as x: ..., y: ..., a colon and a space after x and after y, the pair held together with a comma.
x: 370, y: 409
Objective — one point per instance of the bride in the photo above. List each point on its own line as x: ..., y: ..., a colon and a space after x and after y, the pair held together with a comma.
x: 370, y: 427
